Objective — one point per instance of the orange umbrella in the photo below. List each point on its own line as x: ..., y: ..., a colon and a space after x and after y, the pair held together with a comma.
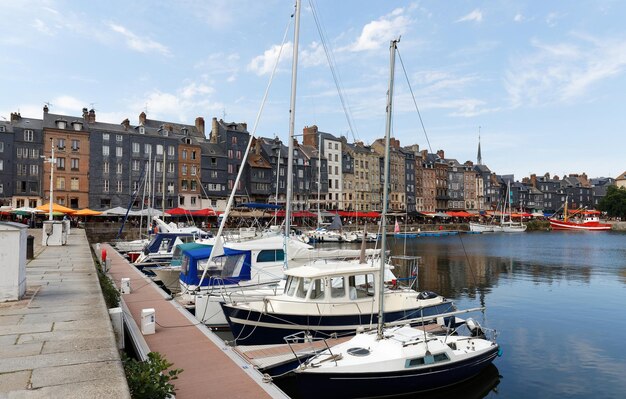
x: 86, y: 212
x: 56, y: 208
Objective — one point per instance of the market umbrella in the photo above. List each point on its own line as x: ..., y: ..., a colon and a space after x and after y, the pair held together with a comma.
x: 87, y: 212
x: 203, y: 212
x: 56, y: 208
x: 25, y: 211
x: 178, y: 211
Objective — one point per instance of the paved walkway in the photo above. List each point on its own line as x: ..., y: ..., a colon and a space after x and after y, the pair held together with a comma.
x: 58, y: 342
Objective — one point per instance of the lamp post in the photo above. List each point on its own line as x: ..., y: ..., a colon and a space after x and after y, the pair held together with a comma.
x: 52, y: 160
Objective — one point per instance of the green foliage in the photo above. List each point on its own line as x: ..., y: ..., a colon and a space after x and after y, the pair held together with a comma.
x: 109, y: 290
x: 148, y: 379
x: 614, y: 202
x: 538, y: 225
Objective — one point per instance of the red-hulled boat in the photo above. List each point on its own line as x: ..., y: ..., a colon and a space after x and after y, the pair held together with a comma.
x: 590, y: 222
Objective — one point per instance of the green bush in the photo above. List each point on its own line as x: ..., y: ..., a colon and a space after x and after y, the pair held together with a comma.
x: 536, y: 225
x: 109, y: 290
x: 148, y: 379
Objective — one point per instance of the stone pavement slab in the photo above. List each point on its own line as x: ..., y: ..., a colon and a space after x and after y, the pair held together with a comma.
x: 58, y: 342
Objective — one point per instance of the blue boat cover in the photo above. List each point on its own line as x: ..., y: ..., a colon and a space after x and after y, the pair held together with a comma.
x: 255, y: 205
x: 198, y: 252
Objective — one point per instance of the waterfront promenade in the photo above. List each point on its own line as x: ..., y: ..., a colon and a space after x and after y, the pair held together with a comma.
x: 57, y: 342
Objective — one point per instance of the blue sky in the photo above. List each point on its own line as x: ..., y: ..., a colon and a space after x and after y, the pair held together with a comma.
x: 545, y: 81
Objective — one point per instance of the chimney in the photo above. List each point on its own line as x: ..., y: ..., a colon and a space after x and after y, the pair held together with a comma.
x: 126, y: 124
x: 310, y: 136
x: 142, y: 118
x: 15, y: 116
x: 424, y: 154
x: 85, y: 114
x: 92, y: 116
x: 441, y: 154
x: 45, y: 109
x: 200, y: 124
x: 215, y: 127
x: 533, y: 180
x: 244, y: 126
x: 394, y: 143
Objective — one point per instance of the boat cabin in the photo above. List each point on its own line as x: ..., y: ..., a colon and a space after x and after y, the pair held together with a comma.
x: 331, y: 284
x: 232, y: 267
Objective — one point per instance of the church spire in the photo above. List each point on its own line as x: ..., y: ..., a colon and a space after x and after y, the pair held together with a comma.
x: 479, y: 159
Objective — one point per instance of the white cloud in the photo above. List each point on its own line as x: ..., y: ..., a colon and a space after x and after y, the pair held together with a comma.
x: 42, y: 27
x: 221, y: 64
x: 378, y: 33
x: 264, y: 64
x: 314, y: 55
x: 563, y: 72
x: 476, y: 16
x: 141, y: 44
x: 553, y: 18
x: 183, y: 104
x: 518, y: 17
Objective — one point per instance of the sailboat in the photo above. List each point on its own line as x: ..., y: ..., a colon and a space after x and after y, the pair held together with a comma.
x: 395, y: 360
x: 509, y: 226
x: 327, y: 297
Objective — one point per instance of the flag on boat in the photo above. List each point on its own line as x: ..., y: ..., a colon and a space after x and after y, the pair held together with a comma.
x: 396, y: 228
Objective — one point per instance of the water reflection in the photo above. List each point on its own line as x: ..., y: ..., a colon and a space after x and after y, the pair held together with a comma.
x: 467, y: 264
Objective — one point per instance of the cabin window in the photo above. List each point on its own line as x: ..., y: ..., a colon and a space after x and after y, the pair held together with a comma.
x: 303, y: 288
x: 361, y: 286
x: 292, y: 283
x: 338, y: 287
x: 232, y: 265
x: 428, y: 359
x: 270, y: 255
x: 317, y: 290
x: 184, y: 265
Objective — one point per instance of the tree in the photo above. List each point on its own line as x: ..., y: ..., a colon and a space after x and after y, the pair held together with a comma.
x: 614, y: 202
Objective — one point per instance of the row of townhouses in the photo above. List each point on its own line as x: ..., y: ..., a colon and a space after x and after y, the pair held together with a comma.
x: 163, y: 164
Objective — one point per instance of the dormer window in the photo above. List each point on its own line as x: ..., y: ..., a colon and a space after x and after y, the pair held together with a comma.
x: 166, y: 133
x: 185, y: 131
x: 77, y: 125
x: 142, y: 130
x: 2, y: 128
x: 60, y: 123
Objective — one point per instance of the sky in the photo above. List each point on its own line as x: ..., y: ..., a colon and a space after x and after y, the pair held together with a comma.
x: 543, y: 83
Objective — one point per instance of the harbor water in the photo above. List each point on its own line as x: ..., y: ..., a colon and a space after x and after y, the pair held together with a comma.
x: 556, y: 299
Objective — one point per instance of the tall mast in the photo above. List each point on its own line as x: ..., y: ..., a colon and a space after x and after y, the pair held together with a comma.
x: 292, y: 122
x: 383, y: 222
x: 319, y: 177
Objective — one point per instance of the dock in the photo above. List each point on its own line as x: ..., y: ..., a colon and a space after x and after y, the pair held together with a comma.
x: 211, y: 368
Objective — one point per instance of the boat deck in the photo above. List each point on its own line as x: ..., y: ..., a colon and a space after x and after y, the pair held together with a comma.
x: 268, y: 356
x: 211, y: 369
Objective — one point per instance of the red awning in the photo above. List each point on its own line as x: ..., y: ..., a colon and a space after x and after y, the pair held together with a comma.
x: 296, y: 214
x: 204, y: 212
x: 358, y: 214
x: 178, y: 211
x: 459, y: 214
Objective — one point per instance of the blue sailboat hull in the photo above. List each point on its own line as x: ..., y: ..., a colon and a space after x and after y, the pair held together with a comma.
x: 378, y: 384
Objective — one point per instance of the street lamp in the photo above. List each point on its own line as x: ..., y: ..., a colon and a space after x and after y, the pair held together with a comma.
x: 52, y: 160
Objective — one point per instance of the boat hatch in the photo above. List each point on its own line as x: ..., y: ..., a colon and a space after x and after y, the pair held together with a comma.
x: 358, y: 351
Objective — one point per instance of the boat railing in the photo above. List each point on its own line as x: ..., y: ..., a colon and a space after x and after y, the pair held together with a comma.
x: 303, y: 346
